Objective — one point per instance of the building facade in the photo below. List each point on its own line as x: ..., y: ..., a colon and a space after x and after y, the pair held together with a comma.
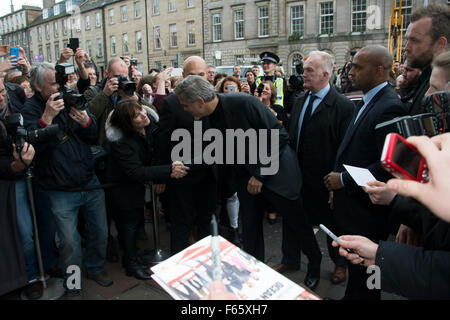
x: 14, y: 27
x: 237, y: 31
x: 175, y: 31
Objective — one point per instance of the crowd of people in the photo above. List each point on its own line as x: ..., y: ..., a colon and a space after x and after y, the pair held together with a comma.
x: 117, y: 144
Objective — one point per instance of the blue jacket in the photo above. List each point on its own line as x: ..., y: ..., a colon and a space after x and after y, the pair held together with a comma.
x: 64, y: 162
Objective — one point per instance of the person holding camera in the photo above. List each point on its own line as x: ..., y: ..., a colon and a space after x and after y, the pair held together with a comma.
x: 81, y: 83
x: 266, y: 92
x: 65, y: 171
x: 131, y: 130
x: 12, y: 169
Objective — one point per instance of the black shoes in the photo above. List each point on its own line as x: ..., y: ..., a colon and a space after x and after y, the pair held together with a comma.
x: 135, y: 269
x: 102, y: 279
x: 34, y: 291
x: 312, y: 280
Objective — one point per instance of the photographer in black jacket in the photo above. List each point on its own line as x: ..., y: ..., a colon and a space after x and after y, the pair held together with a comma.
x: 65, y: 170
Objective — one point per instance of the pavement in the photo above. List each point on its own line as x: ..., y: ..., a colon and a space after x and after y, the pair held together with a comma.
x: 128, y: 288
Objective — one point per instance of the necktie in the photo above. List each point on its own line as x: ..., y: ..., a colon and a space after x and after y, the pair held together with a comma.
x: 358, y: 110
x: 306, y: 118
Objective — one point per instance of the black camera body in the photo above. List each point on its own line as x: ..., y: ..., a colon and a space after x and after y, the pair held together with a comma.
x: 260, y: 89
x: 70, y: 97
x: 296, y: 81
x: 129, y: 87
x: 433, y: 121
x: 133, y: 62
x: 19, y: 135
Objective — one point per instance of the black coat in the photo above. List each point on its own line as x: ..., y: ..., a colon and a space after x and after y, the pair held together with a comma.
x: 243, y: 111
x: 173, y: 117
x: 64, y: 165
x: 130, y: 165
x: 361, y: 147
x: 414, y: 272
x: 322, y: 136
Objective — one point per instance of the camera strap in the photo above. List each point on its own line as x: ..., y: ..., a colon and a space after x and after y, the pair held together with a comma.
x: 68, y: 132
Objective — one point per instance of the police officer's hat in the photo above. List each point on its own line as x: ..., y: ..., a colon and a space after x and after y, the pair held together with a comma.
x: 269, y: 57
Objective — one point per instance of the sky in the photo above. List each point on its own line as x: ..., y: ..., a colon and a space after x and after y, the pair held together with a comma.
x: 5, y: 7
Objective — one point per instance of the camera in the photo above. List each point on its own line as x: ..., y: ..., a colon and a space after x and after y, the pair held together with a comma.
x: 13, y: 127
x: 432, y: 122
x: 133, y: 62
x: 260, y: 89
x: 129, y: 87
x: 70, y: 97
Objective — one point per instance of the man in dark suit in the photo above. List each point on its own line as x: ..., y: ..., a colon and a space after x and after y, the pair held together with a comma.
x: 257, y: 187
x: 361, y: 147
x: 192, y: 199
x: 318, y: 123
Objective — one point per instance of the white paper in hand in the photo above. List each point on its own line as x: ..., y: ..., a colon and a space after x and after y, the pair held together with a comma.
x: 360, y: 175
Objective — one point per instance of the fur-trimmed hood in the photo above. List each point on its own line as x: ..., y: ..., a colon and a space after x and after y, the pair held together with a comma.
x: 114, y: 134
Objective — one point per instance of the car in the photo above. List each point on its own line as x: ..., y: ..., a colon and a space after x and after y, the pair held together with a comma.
x: 229, y: 70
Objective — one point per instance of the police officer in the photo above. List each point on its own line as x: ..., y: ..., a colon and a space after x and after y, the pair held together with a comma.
x: 269, y: 61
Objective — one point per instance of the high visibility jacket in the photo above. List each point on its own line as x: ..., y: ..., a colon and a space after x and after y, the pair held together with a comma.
x: 279, y: 85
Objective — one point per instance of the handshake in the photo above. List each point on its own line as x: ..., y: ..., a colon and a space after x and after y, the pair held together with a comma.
x: 179, y: 170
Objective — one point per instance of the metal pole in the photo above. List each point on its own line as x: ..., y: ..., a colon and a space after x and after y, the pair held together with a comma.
x: 157, y: 255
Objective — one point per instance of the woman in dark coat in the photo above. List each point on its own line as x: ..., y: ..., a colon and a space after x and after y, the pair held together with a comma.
x: 268, y: 96
x: 130, y: 131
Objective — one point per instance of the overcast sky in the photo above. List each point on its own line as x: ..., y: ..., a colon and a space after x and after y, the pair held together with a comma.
x: 5, y: 7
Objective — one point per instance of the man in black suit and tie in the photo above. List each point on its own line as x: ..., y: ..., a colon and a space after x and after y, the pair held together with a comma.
x: 318, y: 123
x: 192, y: 199
x: 361, y: 147
x: 256, y: 188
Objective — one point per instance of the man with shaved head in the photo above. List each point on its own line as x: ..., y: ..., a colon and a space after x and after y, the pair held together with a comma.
x: 361, y: 147
x: 192, y: 199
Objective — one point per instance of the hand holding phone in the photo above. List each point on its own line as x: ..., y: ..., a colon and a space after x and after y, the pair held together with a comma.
x: 14, y: 53
x: 402, y: 159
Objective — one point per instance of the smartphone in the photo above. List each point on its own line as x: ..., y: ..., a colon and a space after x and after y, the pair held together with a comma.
x: 402, y: 159
x: 14, y: 52
x: 231, y: 88
x: 74, y: 44
x: 244, y: 80
x: 334, y: 237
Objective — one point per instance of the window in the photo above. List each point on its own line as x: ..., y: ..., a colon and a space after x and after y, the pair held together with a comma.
x: 41, y: 52
x: 172, y: 5
x: 123, y: 9
x: 45, y: 13
x: 55, y: 29
x: 191, y: 33
x: 111, y: 16
x: 89, y: 47
x: 189, y: 3
x: 406, y: 12
x: 239, y: 24
x: 359, y: 15
x: 30, y: 36
x: 263, y: 21
x: 49, y: 54
x: 47, y: 32
x: 137, y: 9
x: 125, y: 43
x: 64, y: 23
x: 157, y: 32
x: 155, y: 6
x: 173, y: 35
x: 139, y: 41
x: 99, y: 48
x: 88, y: 22
x: 97, y: 20
x: 298, y: 20
x: 113, y: 45
x: 295, y: 60
x: 217, y: 27
x: 78, y: 24
x: 57, y: 53
x: 69, y: 6
x: 158, y: 65
x: 56, y: 10
x: 326, y: 18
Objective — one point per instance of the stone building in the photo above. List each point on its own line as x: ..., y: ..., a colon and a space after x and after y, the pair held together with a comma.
x: 14, y: 26
x: 175, y: 31
x: 236, y: 31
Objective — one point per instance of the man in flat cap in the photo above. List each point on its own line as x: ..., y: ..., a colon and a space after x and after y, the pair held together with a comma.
x: 269, y: 61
